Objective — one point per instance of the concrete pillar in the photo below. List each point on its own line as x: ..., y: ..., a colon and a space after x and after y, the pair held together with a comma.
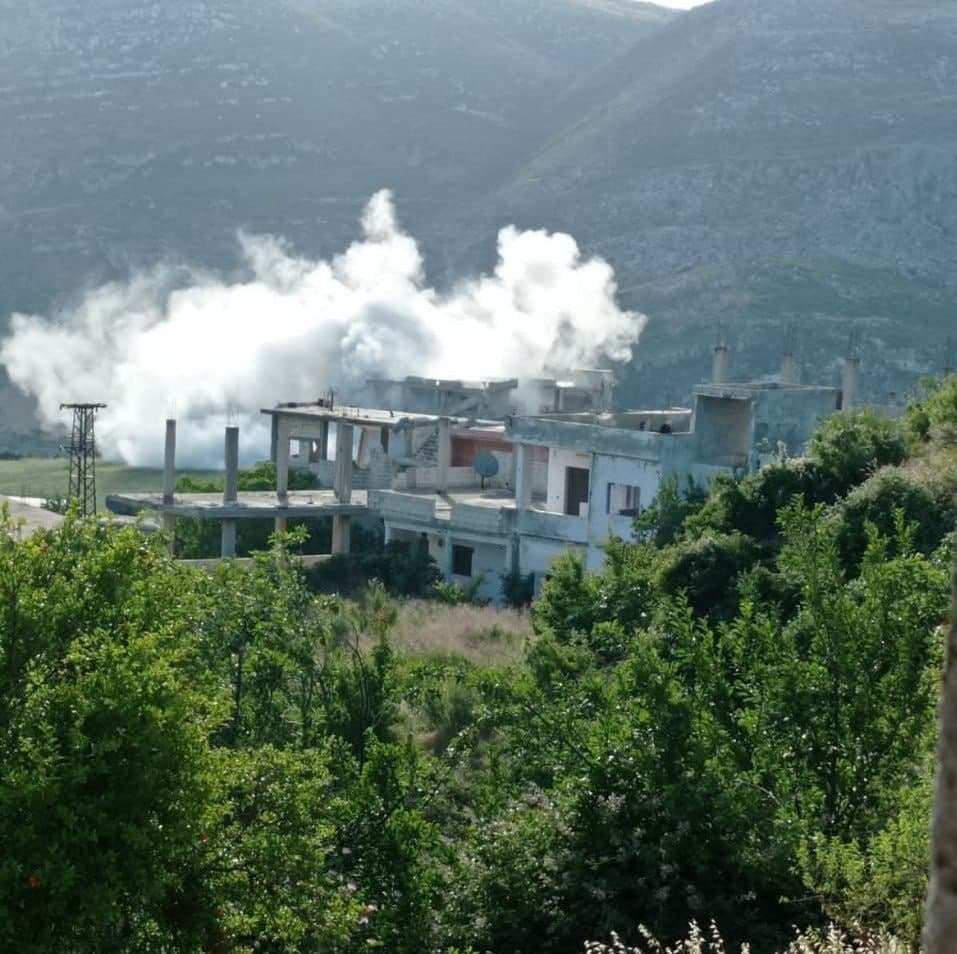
x: 789, y: 368
x: 852, y: 367
x: 282, y: 462
x: 343, y: 479
x: 341, y: 533
x: 169, y: 526
x: 523, y: 477
x: 719, y: 365
x: 324, y: 440
x: 228, y: 544
x: 514, y: 555
x: 445, y: 455
x: 169, y: 462
x: 230, y: 491
x: 280, y: 525
x: 365, y: 447
x: 446, y: 566
x: 387, y: 533
x: 169, y: 483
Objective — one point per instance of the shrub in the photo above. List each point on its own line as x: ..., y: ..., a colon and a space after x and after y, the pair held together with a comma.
x: 404, y: 569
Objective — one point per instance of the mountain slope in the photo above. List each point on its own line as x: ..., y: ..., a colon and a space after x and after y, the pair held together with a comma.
x: 768, y: 149
x: 131, y: 130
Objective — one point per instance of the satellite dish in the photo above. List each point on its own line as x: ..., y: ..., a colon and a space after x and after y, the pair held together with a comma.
x: 486, y: 465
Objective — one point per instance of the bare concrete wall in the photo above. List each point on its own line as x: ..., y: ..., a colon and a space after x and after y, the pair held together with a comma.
x: 723, y: 430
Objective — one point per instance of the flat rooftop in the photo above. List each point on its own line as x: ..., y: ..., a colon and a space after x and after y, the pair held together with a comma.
x: 248, y: 505
x: 751, y: 388
x: 447, y: 384
x: 368, y: 416
x: 27, y: 519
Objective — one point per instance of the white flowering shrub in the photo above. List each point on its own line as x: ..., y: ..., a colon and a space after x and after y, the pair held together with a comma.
x: 832, y: 941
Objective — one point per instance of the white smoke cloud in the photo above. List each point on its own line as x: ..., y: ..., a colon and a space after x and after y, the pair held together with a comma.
x: 293, y: 327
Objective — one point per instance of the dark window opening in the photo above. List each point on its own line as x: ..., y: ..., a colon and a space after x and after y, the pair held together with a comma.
x: 461, y: 560
x: 576, y: 490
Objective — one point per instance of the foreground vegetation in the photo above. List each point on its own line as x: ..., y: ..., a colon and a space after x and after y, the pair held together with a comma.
x: 734, y: 720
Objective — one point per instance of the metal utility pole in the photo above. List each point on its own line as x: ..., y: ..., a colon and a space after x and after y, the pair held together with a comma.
x: 82, y: 450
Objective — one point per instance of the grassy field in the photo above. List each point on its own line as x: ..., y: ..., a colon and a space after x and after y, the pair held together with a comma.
x: 49, y: 476
x: 482, y: 634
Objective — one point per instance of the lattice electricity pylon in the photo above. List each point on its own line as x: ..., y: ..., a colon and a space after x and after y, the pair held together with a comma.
x: 82, y: 450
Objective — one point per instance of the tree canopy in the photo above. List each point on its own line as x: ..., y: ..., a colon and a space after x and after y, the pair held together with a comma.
x: 734, y: 719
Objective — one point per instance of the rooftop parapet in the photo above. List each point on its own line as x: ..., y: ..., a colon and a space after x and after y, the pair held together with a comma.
x: 600, y: 434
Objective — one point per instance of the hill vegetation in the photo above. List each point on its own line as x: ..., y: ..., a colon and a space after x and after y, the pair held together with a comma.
x: 733, y: 720
x: 747, y: 163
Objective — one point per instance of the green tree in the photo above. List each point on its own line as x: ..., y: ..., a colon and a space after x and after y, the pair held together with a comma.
x: 104, y: 719
x: 663, y: 521
x: 850, y: 447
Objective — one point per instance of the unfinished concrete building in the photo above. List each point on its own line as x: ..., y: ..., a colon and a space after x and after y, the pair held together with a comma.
x: 490, y: 496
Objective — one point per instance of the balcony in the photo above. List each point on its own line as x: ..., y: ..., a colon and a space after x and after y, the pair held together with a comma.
x: 553, y: 526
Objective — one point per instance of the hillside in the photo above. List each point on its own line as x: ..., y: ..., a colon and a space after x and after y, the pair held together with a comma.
x: 765, y: 161
x: 132, y: 131
x: 749, y: 163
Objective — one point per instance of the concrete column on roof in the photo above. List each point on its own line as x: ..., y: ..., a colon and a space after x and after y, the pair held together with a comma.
x: 169, y: 482
x: 445, y: 455
x: 719, y: 365
x: 169, y: 462
x: 852, y: 370
x: 343, y: 479
x: 282, y: 461
x: 523, y: 477
x: 230, y: 490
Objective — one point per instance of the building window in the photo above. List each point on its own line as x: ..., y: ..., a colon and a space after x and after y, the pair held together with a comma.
x: 576, y: 491
x: 461, y: 560
x: 624, y: 500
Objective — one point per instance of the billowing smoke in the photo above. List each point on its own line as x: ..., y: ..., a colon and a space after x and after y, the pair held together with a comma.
x: 292, y: 328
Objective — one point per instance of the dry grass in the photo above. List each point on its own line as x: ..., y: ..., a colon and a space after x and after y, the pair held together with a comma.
x: 482, y: 634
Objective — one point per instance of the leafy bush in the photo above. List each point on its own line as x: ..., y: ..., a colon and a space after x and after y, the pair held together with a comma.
x: 454, y: 594
x: 518, y: 589
x: 882, y: 501
x: 404, y: 569
x: 707, y: 570
x: 663, y: 521
x: 935, y: 414
x: 851, y: 446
